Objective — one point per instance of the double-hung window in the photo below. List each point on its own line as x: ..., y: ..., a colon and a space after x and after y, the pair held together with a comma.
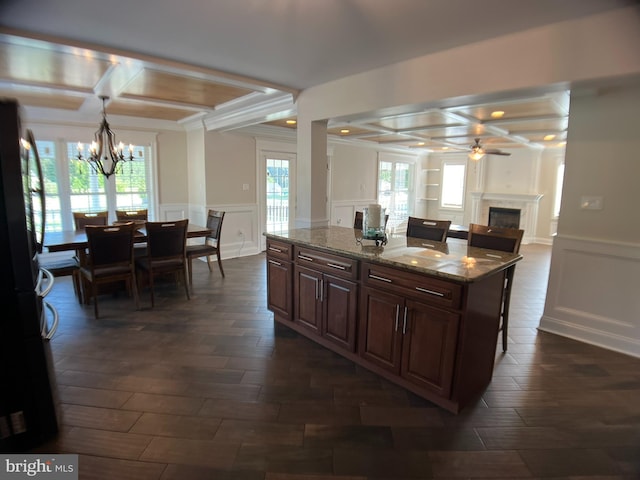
x: 453, y: 181
x: 72, y: 185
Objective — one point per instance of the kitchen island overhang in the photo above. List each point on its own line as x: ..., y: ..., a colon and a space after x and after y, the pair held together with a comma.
x: 424, y: 315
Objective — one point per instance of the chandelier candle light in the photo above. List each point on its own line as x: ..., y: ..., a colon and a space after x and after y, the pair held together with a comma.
x: 104, y: 155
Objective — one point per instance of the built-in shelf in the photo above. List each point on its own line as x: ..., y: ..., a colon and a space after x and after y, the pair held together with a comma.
x: 429, y: 187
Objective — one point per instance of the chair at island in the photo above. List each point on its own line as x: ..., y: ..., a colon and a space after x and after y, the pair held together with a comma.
x: 426, y: 229
x: 505, y: 240
x: 166, y: 244
x: 211, y: 245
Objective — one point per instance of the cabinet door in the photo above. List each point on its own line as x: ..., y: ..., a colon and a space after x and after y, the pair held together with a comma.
x: 429, y: 347
x: 279, y: 278
x: 340, y: 300
x: 380, y: 338
x: 307, y: 298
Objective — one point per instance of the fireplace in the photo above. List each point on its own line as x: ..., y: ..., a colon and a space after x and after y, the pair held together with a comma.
x: 504, y: 217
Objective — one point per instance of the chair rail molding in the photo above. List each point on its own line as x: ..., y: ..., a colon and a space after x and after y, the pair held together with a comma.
x: 527, y: 203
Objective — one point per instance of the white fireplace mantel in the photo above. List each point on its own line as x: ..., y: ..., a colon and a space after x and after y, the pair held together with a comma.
x: 526, y: 203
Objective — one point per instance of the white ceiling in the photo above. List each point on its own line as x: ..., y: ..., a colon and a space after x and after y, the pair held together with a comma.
x: 294, y: 43
x: 174, y: 61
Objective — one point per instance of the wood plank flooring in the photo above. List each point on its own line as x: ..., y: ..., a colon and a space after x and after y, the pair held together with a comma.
x: 210, y: 388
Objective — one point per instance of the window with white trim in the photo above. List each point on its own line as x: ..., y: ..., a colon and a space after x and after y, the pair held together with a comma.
x: 454, y: 174
x: 395, y: 190
x: 71, y: 185
x: 557, y: 199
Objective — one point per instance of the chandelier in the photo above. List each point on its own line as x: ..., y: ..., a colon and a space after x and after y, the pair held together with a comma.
x: 105, y: 156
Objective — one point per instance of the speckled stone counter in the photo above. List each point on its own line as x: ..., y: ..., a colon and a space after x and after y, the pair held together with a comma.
x: 452, y: 260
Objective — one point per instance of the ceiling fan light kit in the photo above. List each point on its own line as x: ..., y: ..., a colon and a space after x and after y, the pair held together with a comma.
x: 478, y: 151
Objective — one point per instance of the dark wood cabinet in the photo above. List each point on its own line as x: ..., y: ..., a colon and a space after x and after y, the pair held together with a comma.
x: 429, y: 338
x: 279, y: 279
x: 340, y: 305
x: 379, y: 340
x: 408, y: 338
x: 425, y: 330
x: 326, y: 305
x: 307, y: 299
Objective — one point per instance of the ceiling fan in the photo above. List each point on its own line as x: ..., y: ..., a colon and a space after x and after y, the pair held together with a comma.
x: 478, y: 151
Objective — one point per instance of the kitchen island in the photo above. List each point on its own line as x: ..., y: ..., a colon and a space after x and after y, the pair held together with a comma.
x: 422, y: 314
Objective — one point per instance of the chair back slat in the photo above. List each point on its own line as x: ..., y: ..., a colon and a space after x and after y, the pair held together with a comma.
x: 427, y: 229
x: 126, y: 215
x: 214, y: 223
x: 110, y: 245
x: 495, y: 238
x: 82, y: 219
x: 166, y: 239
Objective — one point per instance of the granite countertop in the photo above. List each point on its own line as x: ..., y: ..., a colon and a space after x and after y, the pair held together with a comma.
x: 452, y: 260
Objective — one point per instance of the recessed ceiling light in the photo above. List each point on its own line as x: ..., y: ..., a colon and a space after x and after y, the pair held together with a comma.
x: 291, y: 122
x: 345, y: 130
x: 497, y: 114
x: 549, y: 137
x: 445, y: 148
x: 420, y: 144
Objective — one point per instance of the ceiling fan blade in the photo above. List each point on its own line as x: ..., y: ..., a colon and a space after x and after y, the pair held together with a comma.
x: 496, y: 152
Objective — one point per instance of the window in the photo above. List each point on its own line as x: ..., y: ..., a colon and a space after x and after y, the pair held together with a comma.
x: 557, y: 199
x: 52, y: 207
x: 277, y: 189
x: 71, y: 185
x: 395, y: 180
x: 453, y: 182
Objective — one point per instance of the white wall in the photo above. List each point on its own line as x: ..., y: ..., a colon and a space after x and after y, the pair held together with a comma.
x: 559, y: 55
x: 595, y: 267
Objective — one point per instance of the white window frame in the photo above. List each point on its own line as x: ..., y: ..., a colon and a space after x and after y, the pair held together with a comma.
x: 443, y: 185
x: 61, y: 135
x: 411, y: 162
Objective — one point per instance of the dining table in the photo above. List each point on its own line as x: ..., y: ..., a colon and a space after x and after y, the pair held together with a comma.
x: 76, y: 240
x: 67, y: 240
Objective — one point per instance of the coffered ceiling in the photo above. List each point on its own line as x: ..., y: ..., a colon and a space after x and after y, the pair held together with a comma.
x: 235, y: 64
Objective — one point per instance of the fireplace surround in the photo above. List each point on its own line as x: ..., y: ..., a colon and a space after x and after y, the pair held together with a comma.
x: 504, y: 217
x: 526, y: 203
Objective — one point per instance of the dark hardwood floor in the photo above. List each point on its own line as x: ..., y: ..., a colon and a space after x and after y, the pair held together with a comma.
x: 209, y: 388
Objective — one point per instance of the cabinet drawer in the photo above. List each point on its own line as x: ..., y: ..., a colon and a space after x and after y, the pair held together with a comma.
x: 424, y: 288
x: 326, y: 262
x: 283, y: 251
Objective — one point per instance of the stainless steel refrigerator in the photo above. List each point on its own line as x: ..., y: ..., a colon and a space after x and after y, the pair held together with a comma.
x: 28, y: 414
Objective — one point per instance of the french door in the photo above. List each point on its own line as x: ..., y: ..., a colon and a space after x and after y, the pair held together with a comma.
x: 278, y: 178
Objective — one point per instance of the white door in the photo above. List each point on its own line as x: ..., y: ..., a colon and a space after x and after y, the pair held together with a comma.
x: 278, y: 178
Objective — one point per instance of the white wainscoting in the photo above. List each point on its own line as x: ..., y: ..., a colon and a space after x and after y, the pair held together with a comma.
x: 344, y: 211
x: 175, y: 211
x: 239, y: 237
x: 593, y: 293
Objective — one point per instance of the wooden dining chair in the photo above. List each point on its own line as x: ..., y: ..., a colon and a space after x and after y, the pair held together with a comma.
x: 82, y: 219
x: 166, y: 245
x: 504, y: 240
x: 110, y: 259
x: 211, y: 245
x: 427, y: 229
x: 63, y: 266
x: 127, y: 215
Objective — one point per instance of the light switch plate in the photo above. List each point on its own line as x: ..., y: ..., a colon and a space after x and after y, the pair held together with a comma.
x: 591, y: 202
